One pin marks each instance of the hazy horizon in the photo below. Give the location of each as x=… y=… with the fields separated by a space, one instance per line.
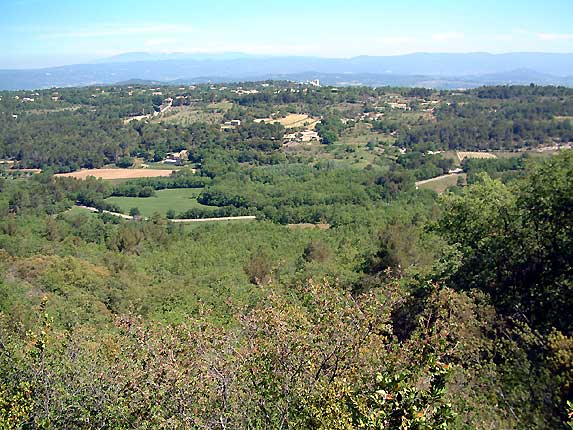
x=42 y=34
x=237 y=55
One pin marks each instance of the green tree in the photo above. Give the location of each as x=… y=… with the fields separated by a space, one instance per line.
x=124 y=162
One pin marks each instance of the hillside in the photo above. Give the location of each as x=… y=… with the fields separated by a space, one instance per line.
x=273 y=254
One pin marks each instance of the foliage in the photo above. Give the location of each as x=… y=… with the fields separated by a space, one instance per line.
x=353 y=301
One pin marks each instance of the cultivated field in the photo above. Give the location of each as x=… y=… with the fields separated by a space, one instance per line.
x=293 y=120
x=180 y=200
x=441 y=183
x=474 y=154
x=116 y=173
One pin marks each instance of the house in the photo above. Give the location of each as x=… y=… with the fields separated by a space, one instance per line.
x=233 y=123
x=177 y=157
x=314 y=83
x=398 y=105
x=241 y=92
x=303 y=136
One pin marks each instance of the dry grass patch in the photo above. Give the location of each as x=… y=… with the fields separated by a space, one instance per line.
x=441 y=183
x=306 y=226
x=293 y=120
x=186 y=115
x=474 y=154
x=116 y=173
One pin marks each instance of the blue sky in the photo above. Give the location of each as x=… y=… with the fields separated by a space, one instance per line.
x=46 y=33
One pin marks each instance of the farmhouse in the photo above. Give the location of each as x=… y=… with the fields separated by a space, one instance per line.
x=303 y=136
x=177 y=157
x=398 y=105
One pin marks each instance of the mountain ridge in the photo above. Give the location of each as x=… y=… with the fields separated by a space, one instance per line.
x=449 y=69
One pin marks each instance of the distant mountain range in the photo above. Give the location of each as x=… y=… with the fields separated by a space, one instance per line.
x=446 y=71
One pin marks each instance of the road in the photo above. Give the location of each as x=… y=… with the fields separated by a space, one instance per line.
x=129 y=217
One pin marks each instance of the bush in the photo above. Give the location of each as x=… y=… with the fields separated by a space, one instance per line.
x=124 y=162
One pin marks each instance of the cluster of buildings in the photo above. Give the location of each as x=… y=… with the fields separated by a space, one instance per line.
x=301 y=137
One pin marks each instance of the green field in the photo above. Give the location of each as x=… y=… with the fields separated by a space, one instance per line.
x=76 y=210
x=179 y=200
x=440 y=185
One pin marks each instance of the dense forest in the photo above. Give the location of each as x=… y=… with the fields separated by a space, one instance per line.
x=360 y=298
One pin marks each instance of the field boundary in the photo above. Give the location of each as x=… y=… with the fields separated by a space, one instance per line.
x=111 y=173
x=226 y=218
x=183 y=220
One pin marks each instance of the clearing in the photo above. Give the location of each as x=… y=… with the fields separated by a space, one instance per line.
x=474 y=154
x=293 y=120
x=441 y=183
x=179 y=199
x=187 y=115
x=116 y=173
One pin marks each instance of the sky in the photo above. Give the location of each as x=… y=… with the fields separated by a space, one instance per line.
x=43 y=33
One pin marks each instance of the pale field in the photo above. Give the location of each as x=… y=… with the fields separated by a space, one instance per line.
x=441 y=183
x=116 y=173
x=474 y=154
x=221 y=106
x=305 y=226
x=293 y=120
x=186 y=115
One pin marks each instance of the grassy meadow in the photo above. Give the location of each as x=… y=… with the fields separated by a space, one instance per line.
x=179 y=200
